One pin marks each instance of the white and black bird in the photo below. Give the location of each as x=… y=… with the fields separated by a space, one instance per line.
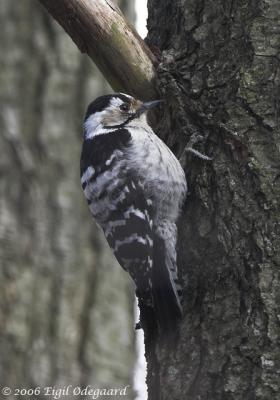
x=135 y=188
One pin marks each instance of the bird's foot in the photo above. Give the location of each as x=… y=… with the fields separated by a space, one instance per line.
x=189 y=149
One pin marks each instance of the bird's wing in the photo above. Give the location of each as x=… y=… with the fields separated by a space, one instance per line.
x=128 y=231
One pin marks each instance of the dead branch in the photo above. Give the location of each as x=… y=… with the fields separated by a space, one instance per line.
x=99 y=29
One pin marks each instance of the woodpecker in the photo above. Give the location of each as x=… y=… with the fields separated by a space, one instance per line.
x=135 y=188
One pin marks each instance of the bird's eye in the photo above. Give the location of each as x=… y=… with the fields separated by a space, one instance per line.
x=124 y=107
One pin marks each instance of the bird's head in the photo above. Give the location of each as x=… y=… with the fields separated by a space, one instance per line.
x=114 y=111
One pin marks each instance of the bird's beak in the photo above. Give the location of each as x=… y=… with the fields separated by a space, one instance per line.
x=144 y=107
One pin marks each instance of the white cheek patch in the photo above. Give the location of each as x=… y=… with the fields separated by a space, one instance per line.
x=93 y=126
x=92 y=123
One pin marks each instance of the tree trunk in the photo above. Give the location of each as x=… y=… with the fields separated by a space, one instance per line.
x=66 y=307
x=219 y=75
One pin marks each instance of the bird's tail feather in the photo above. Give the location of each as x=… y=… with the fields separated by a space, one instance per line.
x=166 y=299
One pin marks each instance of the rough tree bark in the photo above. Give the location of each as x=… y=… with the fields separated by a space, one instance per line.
x=219 y=74
x=57 y=326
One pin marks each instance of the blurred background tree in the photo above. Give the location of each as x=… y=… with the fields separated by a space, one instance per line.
x=66 y=312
